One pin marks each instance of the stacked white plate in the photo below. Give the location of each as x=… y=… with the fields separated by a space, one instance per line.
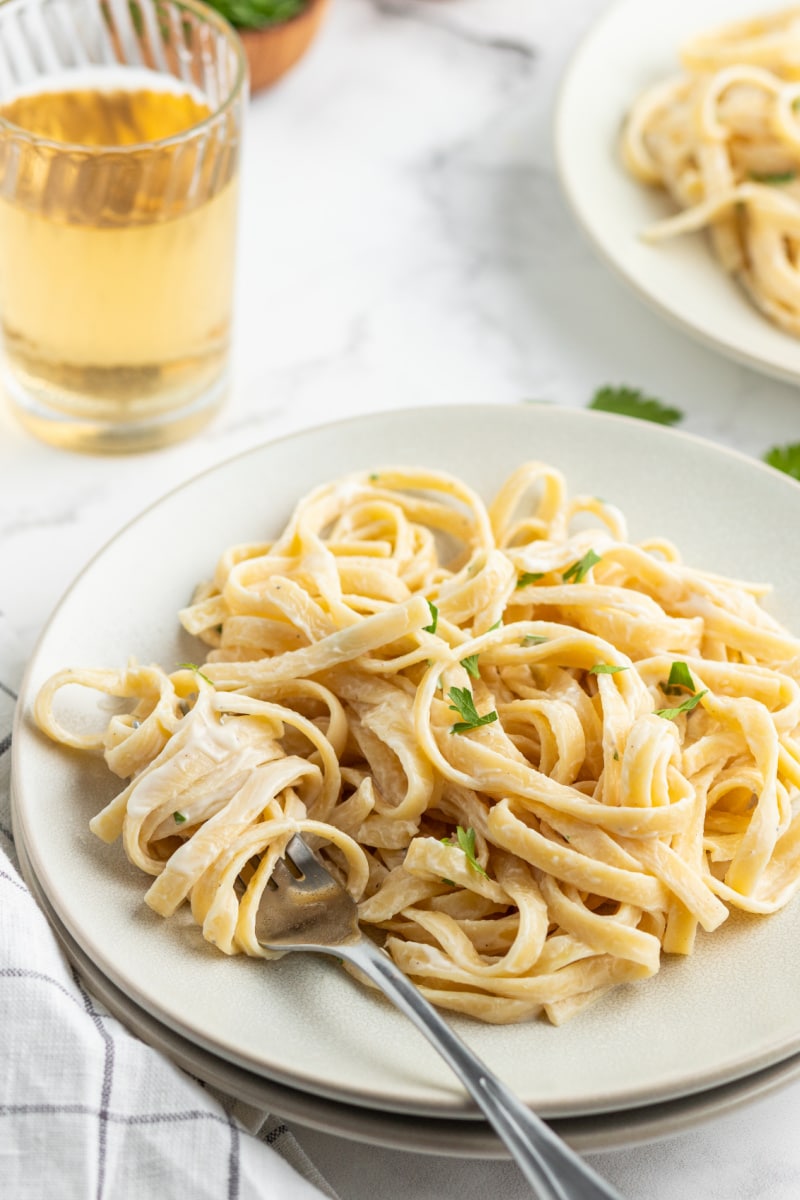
x=299 y=1036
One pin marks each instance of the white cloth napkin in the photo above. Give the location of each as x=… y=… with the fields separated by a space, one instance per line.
x=87 y=1110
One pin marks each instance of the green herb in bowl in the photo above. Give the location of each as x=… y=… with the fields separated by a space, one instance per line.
x=255 y=14
x=275 y=33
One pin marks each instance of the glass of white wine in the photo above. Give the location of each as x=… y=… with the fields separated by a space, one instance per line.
x=120 y=131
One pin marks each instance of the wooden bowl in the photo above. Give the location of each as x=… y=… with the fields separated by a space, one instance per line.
x=274 y=50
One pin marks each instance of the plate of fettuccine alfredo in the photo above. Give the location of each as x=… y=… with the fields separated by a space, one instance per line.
x=678 y=146
x=527 y=679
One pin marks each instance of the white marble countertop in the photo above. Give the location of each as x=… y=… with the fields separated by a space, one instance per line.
x=405 y=242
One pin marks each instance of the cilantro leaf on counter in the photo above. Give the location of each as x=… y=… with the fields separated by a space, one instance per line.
x=785 y=458
x=631 y=402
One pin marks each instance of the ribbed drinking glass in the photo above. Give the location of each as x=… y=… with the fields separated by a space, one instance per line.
x=120 y=131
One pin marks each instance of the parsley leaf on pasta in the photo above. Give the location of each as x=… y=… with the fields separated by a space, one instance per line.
x=776 y=178
x=680 y=680
x=687 y=706
x=605 y=669
x=434 y=618
x=785 y=458
x=579 y=570
x=470 y=664
x=194 y=667
x=631 y=402
x=465 y=840
x=464 y=705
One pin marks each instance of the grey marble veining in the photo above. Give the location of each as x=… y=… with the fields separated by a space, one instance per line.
x=405 y=241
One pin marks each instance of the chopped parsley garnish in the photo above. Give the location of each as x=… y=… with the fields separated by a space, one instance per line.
x=434 y=618
x=470 y=665
x=529 y=577
x=465 y=840
x=785 y=458
x=464 y=705
x=496 y=625
x=194 y=667
x=631 y=402
x=774 y=178
x=687 y=706
x=533 y=639
x=680 y=680
x=179 y=818
x=579 y=570
x=605 y=669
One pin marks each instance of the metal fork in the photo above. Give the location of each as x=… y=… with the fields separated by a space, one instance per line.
x=306 y=909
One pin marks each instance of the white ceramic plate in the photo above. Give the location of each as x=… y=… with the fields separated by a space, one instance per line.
x=633 y=45
x=727 y=1012
x=460 y=1138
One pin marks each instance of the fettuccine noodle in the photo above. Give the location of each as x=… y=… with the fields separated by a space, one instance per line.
x=723 y=138
x=537 y=754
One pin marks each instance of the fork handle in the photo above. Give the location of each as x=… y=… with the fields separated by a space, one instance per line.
x=549 y=1165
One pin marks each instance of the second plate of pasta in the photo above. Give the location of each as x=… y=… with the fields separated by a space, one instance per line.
x=546 y=739
x=696 y=206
